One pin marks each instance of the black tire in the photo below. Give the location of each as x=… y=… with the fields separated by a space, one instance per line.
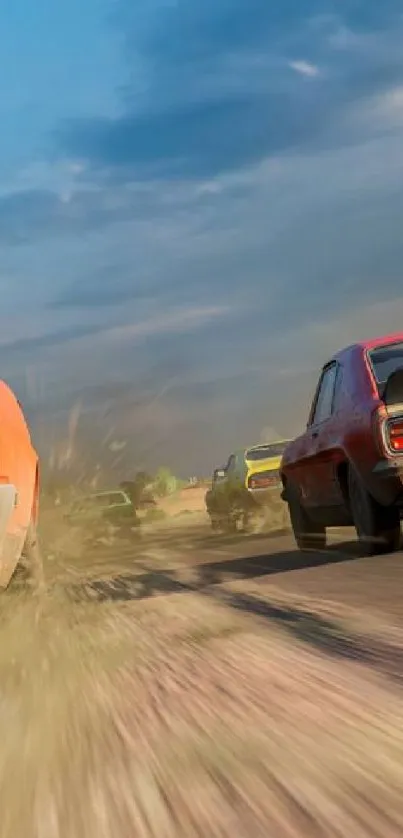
x=215 y=522
x=307 y=533
x=29 y=572
x=230 y=523
x=221 y=523
x=377 y=527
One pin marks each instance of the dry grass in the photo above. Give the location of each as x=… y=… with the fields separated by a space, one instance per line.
x=179 y=716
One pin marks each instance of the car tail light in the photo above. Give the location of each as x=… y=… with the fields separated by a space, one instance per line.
x=264 y=480
x=388 y=431
x=382 y=424
x=394 y=430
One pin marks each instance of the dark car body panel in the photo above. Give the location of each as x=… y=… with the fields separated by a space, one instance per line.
x=316 y=461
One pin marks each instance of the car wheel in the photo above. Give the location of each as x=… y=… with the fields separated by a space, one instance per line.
x=215 y=523
x=29 y=571
x=307 y=533
x=231 y=523
x=377 y=527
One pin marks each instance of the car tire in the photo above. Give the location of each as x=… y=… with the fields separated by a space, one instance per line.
x=230 y=524
x=377 y=527
x=29 y=572
x=215 y=522
x=307 y=533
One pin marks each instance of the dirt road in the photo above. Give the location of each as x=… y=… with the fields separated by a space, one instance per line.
x=194 y=559
x=187 y=685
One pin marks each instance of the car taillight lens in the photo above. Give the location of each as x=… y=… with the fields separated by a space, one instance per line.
x=395 y=435
x=388 y=431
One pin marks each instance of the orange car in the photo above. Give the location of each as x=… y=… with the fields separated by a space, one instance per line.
x=19 y=492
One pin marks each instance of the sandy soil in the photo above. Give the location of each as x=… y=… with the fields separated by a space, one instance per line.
x=187 y=500
x=178 y=715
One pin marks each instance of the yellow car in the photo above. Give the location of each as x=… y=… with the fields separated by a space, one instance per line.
x=249 y=480
x=262 y=464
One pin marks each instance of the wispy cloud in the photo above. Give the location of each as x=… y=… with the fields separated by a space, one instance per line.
x=177 y=321
x=305 y=68
x=244 y=181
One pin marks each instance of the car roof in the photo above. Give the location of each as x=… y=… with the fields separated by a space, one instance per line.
x=396 y=337
x=263 y=445
x=107 y=492
x=367 y=345
x=241 y=452
x=266 y=444
x=92 y=495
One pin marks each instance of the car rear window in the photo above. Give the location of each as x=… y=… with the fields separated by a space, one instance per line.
x=101 y=500
x=111 y=499
x=275 y=449
x=385 y=360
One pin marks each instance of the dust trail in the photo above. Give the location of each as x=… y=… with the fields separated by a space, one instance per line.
x=181 y=717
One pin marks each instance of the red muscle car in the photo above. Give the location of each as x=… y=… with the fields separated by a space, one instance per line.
x=347 y=467
x=19 y=492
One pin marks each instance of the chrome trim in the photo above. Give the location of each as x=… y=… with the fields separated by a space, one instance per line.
x=397 y=414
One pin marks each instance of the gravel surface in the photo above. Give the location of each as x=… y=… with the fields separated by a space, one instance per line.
x=221 y=688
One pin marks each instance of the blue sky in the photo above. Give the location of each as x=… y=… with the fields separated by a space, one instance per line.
x=199 y=202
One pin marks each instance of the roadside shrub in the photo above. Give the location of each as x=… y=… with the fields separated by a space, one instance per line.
x=165 y=482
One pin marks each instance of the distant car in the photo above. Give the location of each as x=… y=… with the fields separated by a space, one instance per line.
x=263 y=470
x=103 y=512
x=19 y=493
x=347 y=467
x=249 y=481
x=140 y=495
x=216 y=503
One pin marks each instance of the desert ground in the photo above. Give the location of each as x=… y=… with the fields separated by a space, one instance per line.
x=187 y=684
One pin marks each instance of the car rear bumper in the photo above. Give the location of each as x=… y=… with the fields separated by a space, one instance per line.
x=8 y=502
x=264 y=495
x=386 y=469
x=387 y=482
x=11 y=541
